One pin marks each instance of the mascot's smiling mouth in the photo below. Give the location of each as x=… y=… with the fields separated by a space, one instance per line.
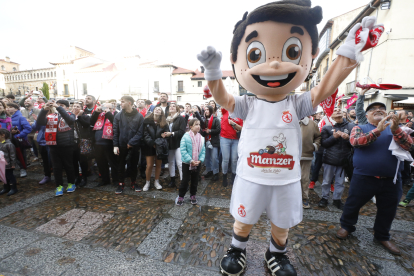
x=274 y=81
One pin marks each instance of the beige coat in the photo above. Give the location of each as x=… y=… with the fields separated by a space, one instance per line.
x=311 y=138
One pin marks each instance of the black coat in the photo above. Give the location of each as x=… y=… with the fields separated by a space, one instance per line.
x=336 y=149
x=152 y=132
x=128 y=128
x=97 y=138
x=215 y=131
x=178 y=128
x=63 y=139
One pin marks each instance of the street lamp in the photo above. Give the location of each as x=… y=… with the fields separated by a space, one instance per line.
x=385 y=4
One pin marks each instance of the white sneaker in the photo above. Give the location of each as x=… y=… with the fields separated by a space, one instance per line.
x=157 y=184
x=374 y=200
x=346 y=179
x=23 y=173
x=146 y=186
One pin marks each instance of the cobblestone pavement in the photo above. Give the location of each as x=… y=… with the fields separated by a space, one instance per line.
x=95 y=232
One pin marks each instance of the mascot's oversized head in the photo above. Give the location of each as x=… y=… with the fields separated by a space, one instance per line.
x=273 y=47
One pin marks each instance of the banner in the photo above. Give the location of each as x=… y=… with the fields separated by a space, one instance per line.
x=328 y=105
x=351 y=101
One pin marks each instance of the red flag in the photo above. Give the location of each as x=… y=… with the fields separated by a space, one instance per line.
x=351 y=101
x=328 y=105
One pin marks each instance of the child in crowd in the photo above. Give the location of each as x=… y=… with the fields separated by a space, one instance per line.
x=192 y=154
x=10 y=156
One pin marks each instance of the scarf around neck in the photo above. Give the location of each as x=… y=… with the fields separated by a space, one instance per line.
x=107 y=131
x=197 y=147
x=52 y=127
x=171 y=119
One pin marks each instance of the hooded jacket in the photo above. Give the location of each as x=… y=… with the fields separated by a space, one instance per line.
x=128 y=128
x=178 y=128
x=336 y=149
x=9 y=153
x=19 y=121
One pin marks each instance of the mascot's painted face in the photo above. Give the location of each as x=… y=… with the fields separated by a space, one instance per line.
x=273 y=58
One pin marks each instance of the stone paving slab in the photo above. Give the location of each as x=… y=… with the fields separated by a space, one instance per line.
x=12 y=239
x=75 y=224
x=50 y=256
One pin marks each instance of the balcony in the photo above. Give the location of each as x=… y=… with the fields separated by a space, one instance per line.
x=180 y=89
x=350 y=87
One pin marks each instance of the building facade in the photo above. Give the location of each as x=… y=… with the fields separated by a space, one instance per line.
x=391 y=61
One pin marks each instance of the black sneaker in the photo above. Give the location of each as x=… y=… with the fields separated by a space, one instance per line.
x=234 y=261
x=279 y=264
x=208 y=175
x=193 y=200
x=120 y=188
x=78 y=181
x=338 y=204
x=133 y=184
x=215 y=177
x=224 y=180
x=137 y=188
x=323 y=203
x=83 y=182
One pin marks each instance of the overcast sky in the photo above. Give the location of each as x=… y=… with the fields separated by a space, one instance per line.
x=34 y=32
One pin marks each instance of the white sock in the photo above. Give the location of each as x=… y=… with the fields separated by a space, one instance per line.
x=274 y=247
x=239 y=242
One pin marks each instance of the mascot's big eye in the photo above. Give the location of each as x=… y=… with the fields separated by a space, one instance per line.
x=256 y=54
x=292 y=50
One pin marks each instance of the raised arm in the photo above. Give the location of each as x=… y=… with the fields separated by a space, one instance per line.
x=211 y=59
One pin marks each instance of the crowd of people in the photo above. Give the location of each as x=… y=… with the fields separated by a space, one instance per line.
x=136 y=136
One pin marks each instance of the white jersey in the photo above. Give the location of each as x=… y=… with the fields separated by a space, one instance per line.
x=270 y=145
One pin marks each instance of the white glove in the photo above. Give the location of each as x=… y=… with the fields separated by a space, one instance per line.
x=116 y=150
x=211 y=59
x=362 y=36
x=348 y=48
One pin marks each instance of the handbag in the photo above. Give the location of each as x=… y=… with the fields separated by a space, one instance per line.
x=85 y=146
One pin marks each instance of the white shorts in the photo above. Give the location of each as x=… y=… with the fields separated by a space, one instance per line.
x=283 y=204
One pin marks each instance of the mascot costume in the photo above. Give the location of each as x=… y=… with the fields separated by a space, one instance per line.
x=272 y=52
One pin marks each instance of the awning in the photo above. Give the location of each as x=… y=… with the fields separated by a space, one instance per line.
x=410 y=100
x=400 y=92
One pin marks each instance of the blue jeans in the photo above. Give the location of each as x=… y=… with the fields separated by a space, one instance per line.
x=211 y=160
x=329 y=172
x=229 y=152
x=361 y=189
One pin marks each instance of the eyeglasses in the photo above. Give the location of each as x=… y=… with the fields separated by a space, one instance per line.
x=381 y=108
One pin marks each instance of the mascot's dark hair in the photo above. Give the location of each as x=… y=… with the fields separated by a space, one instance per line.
x=297 y=12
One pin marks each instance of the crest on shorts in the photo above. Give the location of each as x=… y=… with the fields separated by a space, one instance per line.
x=242 y=211
x=287 y=116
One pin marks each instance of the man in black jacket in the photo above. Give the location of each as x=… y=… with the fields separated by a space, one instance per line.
x=128 y=127
x=335 y=140
x=59 y=137
x=165 y=105
x=102 y=119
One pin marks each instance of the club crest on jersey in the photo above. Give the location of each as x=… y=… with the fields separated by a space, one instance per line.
x=273 y=156
x=287 y=116
x=242 y=211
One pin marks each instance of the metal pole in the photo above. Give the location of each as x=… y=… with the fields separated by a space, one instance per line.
x=370 y=57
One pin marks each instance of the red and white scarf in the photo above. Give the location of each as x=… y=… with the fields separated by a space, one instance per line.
x=52 y=127
x=197 y=146
x=107 y=131
x=210 y=125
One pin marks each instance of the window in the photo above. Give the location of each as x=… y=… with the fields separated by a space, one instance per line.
x=156 y=86
x=178 y=98
x=200 y=84
x=3 y=68
x=180 y=87
x=85 y=88
x=37 y=75
x=47 y=74
x=55 y=74
x=14 y=69
x=66 y=90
